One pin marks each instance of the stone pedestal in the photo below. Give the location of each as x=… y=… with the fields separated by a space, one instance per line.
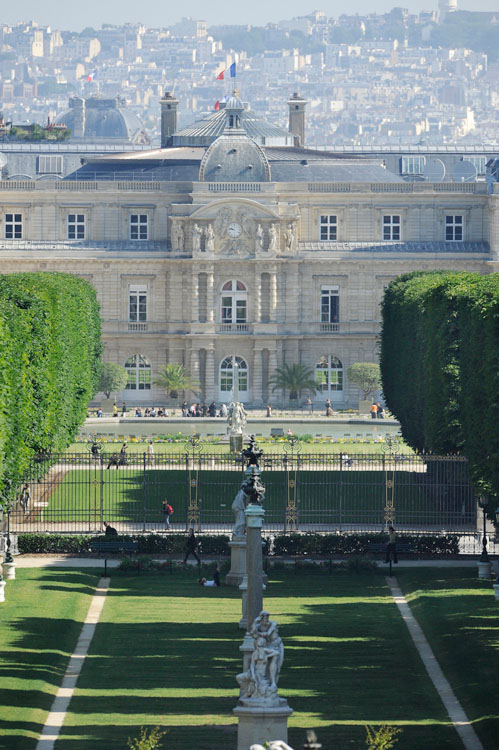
x=9 y=570
x=243 y=588
x=236 y=443
x=237 y=561
x=2 y=591
x=257 y=725
x=483 y=569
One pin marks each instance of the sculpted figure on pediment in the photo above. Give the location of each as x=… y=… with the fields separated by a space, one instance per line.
x=197 y=233
x=177 y=235
x=272 y=238
x=209 y=242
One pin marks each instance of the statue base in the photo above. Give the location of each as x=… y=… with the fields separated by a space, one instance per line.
x=236 y=443
x=237 y=561
x=9 y=570
x=259 y=724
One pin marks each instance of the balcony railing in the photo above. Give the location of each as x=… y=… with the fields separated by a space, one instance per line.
x=137 y=327
x=329 y=327
x=233 y=328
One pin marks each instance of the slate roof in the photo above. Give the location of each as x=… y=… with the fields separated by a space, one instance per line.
x=205 y=131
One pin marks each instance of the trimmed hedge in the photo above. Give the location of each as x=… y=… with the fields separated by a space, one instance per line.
x=440 y=367
x=325 y=545
x=50 y=353
x=148 y=543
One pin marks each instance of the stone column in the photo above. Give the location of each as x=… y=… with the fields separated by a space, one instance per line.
x=195 y=364
x=257 y=376
x=210 y=296
x=257 y=317
x=195 y=298
x=273 y=296
x=254 y=563
x=210 y=375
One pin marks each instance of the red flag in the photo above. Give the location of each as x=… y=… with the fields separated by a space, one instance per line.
x=220 y=76
x=217 y=106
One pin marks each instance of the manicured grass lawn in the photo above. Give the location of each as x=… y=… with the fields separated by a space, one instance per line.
x=40 y=623
x=273 y=447
x=166 y=653
x=130 y=494
x=460 y=618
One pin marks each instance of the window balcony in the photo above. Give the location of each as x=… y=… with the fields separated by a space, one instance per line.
x=329 y=327
x=234 y=328
x=137 y=326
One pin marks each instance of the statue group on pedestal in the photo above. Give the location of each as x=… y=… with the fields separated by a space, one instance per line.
x=259 y=683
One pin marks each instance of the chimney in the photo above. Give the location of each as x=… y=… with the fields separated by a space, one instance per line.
x=297 y=118
x=168 y=118
x=77 y=104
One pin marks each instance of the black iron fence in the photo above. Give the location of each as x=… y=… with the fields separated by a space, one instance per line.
x=304 y=492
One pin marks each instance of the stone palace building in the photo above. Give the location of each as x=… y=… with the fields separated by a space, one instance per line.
x=234 y=240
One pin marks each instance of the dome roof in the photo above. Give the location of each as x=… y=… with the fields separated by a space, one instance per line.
x=103 y=119
x=234 y=157
x=206 y=131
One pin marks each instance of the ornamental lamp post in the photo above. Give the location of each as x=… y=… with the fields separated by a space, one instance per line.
x=483 y=502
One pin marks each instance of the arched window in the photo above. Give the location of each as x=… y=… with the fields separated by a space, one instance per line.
x=329 y=373
x=139 y=373
x=234 y=306
x=227 y=376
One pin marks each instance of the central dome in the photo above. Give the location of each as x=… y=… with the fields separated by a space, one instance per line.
x=234 y=158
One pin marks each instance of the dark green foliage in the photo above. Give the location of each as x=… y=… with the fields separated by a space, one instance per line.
x=440 y=366
x=324 y=545
x=50 y=344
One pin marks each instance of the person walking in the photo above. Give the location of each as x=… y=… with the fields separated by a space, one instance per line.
x=379 y=411
x=110 y=530
x=123 y=409
x=191 y=546
x=310 y=406
x=150 y=453
x=374 y=411
x=329 y=409
x=123 y=456
x=115 y=409
x=167 y=512
x=391 y=547
x=269 y=410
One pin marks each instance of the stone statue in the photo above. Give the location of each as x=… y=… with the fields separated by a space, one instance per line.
x=239 y=506
x=260 y=241
x=178 y=238
x=197 y=233
x=259 y=683
x=289 y=237
x=272 y=238
x=237 y=418
x=209 y=243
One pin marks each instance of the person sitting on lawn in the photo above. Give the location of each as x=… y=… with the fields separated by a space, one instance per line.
x=110 y=530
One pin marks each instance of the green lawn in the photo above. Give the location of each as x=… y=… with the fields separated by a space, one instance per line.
x=166 y=652
x=131 y=494
x=271 y=447
x=40 y=623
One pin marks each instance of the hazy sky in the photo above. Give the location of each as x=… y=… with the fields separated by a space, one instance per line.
x=75 y=15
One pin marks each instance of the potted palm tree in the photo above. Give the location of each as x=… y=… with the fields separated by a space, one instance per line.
x=294 y=378
x=174 y=378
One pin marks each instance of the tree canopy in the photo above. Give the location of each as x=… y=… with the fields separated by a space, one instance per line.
x=174 y=378
x=113 y=377
x=366 y=376
x=294 y=378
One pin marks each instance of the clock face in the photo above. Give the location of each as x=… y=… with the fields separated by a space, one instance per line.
x=234 y=230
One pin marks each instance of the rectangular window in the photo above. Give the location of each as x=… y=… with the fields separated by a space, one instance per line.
x=50 y=165
x=391 y=227
x=226 y=309
x=13 y=226
x=241 y=311
x=412 y=164
x=225 y=381
x=479 y=162
x=453 y=228
x=328 y=228
x=330 y=304
x=137 y=304
x=76 y=226
x=138 y=226
x=321 y=377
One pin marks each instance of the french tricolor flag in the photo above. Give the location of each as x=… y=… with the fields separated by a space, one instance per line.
x=92 y=76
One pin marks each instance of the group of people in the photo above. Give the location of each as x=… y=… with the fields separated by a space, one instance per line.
x=152 y=412
x=203 y=410
x=377 y=411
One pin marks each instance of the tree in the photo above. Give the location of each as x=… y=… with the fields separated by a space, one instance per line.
x=113 y=377
x=366 y=376
x=174 y=378
x=295 y=379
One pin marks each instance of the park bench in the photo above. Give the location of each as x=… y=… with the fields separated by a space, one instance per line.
x=379 y=548
x=276 y=431
x=107 y=546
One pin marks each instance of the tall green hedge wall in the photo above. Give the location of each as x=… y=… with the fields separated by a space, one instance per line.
x=440 y=366
x=50 y=353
